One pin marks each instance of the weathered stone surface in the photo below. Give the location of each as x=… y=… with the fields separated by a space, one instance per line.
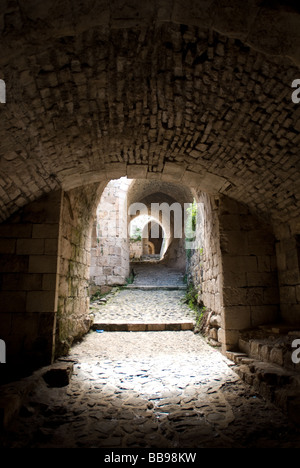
x=74 y=265
x=153 y=99
x=235 y=270
x=9 y=408
x=129 y=391
x=215 y=321
x=146 y=306
x=110 y=243
x=196 y=94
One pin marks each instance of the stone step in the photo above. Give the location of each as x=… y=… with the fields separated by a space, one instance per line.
x=270 y=345
x=155 y=288
x=137 y=326
x=279 y=385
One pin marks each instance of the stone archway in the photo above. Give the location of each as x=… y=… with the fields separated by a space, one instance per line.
x=110 y=245
x=149 y=248
x=155 y=234
x=166 y=92
x=239 y=286
x=142 y=242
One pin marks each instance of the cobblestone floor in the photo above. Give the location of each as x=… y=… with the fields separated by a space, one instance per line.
x=141 y=306
x=166 y=389
x=147 y=306
x=150 y=390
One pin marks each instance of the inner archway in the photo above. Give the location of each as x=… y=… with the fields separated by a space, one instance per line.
x=145 y=241
x=154 y=232
x=117 y=236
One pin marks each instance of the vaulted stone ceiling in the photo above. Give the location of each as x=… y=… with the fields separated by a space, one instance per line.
x=156 y=191
x=100 y=89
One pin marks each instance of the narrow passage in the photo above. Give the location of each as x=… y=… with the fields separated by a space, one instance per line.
x=158 y=389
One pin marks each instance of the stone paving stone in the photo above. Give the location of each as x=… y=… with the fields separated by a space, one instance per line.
x=146 y=309
x=160 y=389
x=152 y=390
x=151 y=274
x=139 y=306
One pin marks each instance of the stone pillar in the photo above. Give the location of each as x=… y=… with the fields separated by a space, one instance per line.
x=235 y=270
x=110 y=256
x=77 y=221
x=288 y=262
x=44 y=277
x=29 y=250
x=205 y=265
x=250 y=281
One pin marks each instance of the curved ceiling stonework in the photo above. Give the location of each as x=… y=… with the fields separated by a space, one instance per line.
x=155 y=191
x=194 y=92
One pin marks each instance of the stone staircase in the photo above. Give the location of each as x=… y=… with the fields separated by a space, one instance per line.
x=144 y=322
x=146 y=287
x=146 y=294
x=264 y=360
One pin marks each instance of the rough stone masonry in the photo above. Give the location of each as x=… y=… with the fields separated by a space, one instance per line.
x=193 y=93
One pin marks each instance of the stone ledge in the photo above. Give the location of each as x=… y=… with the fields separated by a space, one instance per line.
x=130 y=327
x=270 y=343
x=151 y=288
x=274 y=383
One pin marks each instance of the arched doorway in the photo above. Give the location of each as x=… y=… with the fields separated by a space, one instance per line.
x=147 y=238
x=186 y=105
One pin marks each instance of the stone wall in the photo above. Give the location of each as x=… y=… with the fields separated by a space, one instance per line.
x=135 y=249
x=28 y=282
x=234 y=270
x=288 y=262
x=110 y=244
x=73 y=320
x=250 y=281
x=205 y=266
x=44 y=276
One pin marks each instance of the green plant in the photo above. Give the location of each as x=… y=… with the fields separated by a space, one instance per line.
x=137 y=235
x=200 y=315
x=191 y=297
x=191 y=224
x=130 y=278
x=97 y=295
x=192 y=300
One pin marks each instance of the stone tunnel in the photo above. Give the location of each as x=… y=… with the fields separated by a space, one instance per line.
x=190 y=100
